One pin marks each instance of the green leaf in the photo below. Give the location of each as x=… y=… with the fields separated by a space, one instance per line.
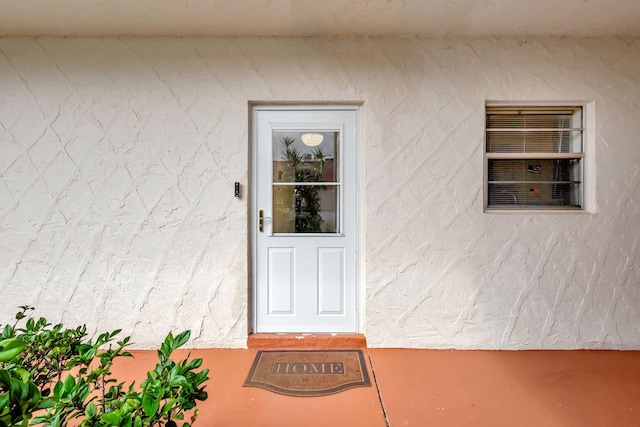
x=149 y=405
x=69 y=383
x=168 y=406
x=91 y=410
x=181 y=339
x=10 y=348
x=4 y=402
x=46 y=403
x=18 y=390
x=137 y=422
x=126 y=422
x=23 y=374
x=175 y=378
x=7 y=332
x=111 y=418
x=194 y=364
x=58 y=389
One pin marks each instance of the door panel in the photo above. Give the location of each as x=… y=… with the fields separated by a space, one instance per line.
x=304 y=235
x=331 y=280
x=281 y=273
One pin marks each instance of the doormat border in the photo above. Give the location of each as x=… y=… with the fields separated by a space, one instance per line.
x=364 y=382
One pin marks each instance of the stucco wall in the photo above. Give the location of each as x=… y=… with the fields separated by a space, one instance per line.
x=118 y=157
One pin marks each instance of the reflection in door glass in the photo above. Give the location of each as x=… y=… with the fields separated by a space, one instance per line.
x=305 y=182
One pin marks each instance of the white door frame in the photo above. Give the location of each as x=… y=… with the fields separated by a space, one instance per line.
x=253 y=209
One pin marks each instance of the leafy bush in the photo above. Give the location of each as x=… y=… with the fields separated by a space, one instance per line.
x=19 y=397
x=66 y=378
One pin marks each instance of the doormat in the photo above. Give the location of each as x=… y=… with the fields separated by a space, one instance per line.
x=308 y=373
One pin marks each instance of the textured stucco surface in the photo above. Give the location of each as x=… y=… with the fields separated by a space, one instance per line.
x=118 y=157
x=169 y=18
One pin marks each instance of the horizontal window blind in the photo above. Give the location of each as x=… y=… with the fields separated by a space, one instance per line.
x=534 y=157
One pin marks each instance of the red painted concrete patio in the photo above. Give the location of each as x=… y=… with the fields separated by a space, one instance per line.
x=431 y=388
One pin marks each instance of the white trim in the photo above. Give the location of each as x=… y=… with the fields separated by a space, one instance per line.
x=589 y=141
x=535 y=155
x=254 y=109
x=257 y=106
x=588 y=190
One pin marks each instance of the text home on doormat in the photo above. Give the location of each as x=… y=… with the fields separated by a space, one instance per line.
x=308 y=373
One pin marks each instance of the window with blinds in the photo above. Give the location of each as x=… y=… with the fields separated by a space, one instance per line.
x=534 y=157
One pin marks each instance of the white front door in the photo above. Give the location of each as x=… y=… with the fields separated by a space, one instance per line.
x=305 y=219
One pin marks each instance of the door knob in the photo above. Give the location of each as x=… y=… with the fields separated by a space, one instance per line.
x=261 y=219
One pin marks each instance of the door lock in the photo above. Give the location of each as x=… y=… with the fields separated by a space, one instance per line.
x=261 y=219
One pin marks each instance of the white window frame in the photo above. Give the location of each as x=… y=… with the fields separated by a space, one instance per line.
x=587 y=157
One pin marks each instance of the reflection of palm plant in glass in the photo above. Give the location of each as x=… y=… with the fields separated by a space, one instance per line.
x=321 y=157
x=292 y=157
x=307 y=197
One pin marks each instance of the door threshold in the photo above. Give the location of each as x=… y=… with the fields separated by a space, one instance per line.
x=269 y=341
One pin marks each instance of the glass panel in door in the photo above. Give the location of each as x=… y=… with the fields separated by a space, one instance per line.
x=306 y=182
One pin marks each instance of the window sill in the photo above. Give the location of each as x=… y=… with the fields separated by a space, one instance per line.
x=537 y=211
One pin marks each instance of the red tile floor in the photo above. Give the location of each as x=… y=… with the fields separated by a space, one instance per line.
x=430 y=388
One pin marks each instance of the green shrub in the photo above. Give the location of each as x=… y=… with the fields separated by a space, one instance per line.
x=66 y=378
x=19 y=396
